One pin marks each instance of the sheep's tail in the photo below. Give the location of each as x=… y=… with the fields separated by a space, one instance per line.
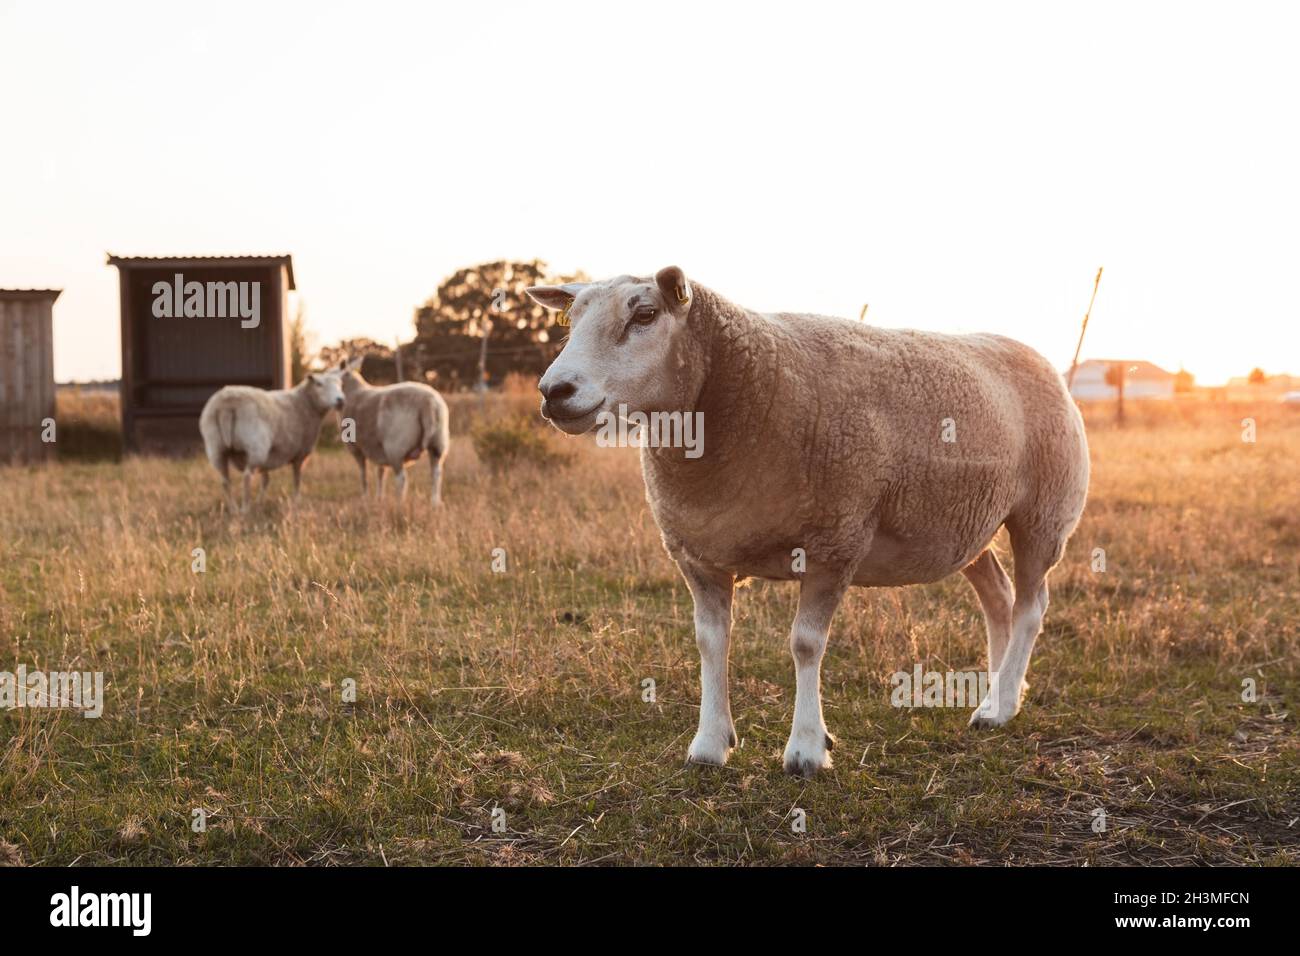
x=226 y=427
x=430 y=433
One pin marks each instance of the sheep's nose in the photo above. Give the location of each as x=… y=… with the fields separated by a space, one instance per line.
x=557 y=392
x=338 y=403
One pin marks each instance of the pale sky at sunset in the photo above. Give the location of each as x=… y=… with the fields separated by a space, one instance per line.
x=962 y=167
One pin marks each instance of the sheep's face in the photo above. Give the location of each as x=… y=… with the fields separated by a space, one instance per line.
x=350 y=379
x=622 y=353
x=326 y=389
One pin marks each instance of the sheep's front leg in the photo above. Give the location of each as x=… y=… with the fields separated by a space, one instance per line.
x=297 y=477
x=711 y=591
x=365 y=485
x=808 y=749
x=435 y=469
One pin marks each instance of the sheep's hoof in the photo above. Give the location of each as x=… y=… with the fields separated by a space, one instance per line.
x=797 y=765
x=803 y=758
x=987 y=716
x=711 y=750
x=991 y=713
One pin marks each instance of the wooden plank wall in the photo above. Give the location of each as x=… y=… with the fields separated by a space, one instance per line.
x=26 y=376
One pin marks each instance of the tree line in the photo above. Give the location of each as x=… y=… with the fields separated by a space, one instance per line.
x=474 y=304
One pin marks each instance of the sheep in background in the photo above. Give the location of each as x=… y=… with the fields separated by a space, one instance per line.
x=393 y=425
x=258 y=431
x=883 y=457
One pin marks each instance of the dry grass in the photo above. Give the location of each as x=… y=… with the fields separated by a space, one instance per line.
x=89 y=424
x=522 y=690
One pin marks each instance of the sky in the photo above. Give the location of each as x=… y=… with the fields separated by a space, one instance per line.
x=961 y=167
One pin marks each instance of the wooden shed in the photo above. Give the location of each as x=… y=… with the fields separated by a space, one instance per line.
x=191 y=324
x=26 y=374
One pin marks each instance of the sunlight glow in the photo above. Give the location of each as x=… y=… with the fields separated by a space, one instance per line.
x=961 y=168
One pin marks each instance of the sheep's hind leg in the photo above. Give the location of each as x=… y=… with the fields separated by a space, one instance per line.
x=224 y=470
x=993 y=588
x=435 y=471
x=1035 y=553
x=712 y=591
x=808 y=749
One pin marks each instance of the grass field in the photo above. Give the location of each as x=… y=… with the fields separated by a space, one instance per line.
x=522 y=690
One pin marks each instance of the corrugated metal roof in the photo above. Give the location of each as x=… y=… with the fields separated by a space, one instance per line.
x=284 y=259
x=30 y=293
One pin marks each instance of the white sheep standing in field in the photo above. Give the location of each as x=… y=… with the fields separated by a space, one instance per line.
x=258 y=430
x=882 y=457
x=393 y=425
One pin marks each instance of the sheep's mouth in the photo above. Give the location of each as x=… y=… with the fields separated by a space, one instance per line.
x=572 y=423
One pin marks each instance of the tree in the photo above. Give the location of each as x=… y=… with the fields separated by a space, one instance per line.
x=1184 y=381
x=1257 y=377
x=488 y=298
x=379 y=366
x=298 y=344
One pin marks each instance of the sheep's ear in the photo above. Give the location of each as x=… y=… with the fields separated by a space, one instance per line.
x=674 y=285
x=311 y=377
x=354 y=364
x=555 y=296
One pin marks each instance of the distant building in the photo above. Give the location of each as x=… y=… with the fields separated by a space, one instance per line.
x=1272 y=388
x=191 y=325
x=1141 y=380
x=27 y=375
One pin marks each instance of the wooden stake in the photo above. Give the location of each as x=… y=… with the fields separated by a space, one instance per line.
x=1069 y=384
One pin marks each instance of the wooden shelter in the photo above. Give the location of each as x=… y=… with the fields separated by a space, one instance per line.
x=27 y=374
x=191 y=324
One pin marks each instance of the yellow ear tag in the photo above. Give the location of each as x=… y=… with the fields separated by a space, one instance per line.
x=563 y=318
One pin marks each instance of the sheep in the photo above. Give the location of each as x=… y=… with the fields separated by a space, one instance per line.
x=262 y=430
x=836 y=454
x=393 y=425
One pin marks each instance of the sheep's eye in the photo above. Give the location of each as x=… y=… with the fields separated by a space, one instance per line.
x=645 y=314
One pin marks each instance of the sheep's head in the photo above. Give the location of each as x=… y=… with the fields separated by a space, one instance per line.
x=350 y=374
x=625 y=351
x=325 y=389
